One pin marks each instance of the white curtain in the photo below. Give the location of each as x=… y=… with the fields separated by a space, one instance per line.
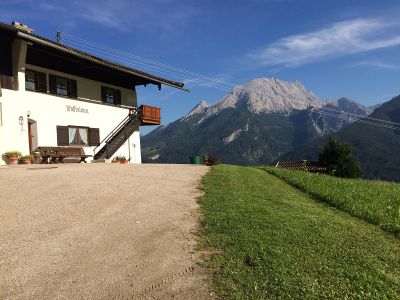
x=72 y=135
x=83 y=135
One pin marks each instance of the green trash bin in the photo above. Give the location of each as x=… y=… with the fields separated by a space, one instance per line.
x=195 y=160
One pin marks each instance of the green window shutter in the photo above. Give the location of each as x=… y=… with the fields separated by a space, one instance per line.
x=62 y=136
x=53 y=84
x=41 y=82
x=73 y=89
x=118 y=97
x=94 y=136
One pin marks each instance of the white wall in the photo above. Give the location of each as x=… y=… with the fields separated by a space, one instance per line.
x=49 y=111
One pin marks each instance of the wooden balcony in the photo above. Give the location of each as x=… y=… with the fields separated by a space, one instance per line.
x=150 y=115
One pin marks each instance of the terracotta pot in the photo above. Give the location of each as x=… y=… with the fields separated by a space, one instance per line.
x=13 y=160
x=124 y=162
x=27 y=162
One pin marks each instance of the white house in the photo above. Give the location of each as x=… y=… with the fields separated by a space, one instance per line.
x=55 y=95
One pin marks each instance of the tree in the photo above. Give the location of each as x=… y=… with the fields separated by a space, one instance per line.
x=337 y=157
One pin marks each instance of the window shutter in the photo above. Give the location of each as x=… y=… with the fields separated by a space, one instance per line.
x=53 y=84
x=103 y=94
x=73 y=92
x=117 y=97
x=41 y=82
x=94 y=136
x=62 y=136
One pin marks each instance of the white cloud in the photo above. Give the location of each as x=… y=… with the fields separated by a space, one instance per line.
x=341 y=38
x=377 y=65
x=129 y=15
x=123 y=15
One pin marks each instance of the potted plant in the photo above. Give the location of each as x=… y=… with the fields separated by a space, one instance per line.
x=12 y=156
x=209 y=160
x=121 y=159
x=26 y=159
x=36 y=156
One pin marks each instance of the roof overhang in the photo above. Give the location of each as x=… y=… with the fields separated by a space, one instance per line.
x=145 y=78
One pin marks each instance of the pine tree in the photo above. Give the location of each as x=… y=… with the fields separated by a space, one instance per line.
x=337 y=157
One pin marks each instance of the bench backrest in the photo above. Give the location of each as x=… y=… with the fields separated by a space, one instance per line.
x=62 y=151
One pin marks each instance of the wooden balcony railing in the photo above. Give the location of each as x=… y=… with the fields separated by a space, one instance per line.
x=150 y=115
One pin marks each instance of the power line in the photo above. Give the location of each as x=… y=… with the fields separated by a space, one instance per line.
x=128 y=61
x=365 y=117
x=361 y=120
x=128 y=58
x=148 y=61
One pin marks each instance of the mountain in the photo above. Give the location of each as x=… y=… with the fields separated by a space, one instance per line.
x=254 y=124
x=376 y=147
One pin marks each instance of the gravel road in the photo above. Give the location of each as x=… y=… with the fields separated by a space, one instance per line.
x=100 y=231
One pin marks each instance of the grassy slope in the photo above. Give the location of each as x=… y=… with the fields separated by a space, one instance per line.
x=276 y=242
x=377 y=202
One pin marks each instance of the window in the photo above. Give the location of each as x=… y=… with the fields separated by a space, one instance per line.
x=62 y=86
x=30 y=80
x=35 y=81
x=110 y=95
x=77 y=136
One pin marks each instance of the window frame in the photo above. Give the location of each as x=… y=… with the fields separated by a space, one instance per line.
x=71 y=86
x=64 y=86
x=39 y=81
x=79 y=136
x=93 y=135
x=116 y=95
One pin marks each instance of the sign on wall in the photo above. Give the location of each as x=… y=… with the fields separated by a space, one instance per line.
x=78 y=109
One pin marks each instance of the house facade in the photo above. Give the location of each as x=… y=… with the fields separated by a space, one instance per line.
x=55 y=95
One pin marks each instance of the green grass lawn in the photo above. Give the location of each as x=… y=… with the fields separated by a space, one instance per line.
x=271 y=240
x=377 y=202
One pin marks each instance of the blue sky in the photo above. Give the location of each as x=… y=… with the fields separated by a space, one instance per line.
x=335 y=48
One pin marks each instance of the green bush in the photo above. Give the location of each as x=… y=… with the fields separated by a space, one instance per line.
x=120 y=158
x=22 y=159
x=12 y=153
x=337 y=157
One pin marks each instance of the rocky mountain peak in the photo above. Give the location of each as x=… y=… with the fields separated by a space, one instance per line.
x=349 y=106
x=199 y=108
x=262 y=95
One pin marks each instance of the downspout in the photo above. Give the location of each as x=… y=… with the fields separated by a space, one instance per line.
x=129 y=149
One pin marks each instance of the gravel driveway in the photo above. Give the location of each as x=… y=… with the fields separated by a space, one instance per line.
x=100 y=231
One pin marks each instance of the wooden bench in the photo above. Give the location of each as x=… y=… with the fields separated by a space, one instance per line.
x=57 y=154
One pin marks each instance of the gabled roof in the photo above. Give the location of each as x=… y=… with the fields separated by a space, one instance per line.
x=29 y=36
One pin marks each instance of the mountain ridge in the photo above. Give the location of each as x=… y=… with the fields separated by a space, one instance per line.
x=254 y=124
x=375 y=147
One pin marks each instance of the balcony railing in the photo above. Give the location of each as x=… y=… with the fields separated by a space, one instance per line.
x=150 y=115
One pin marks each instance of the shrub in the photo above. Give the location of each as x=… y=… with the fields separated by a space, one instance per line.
x=120 y=158
x=22 y=159
x=209 y=160
x=337 y=157
x=12 y=153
